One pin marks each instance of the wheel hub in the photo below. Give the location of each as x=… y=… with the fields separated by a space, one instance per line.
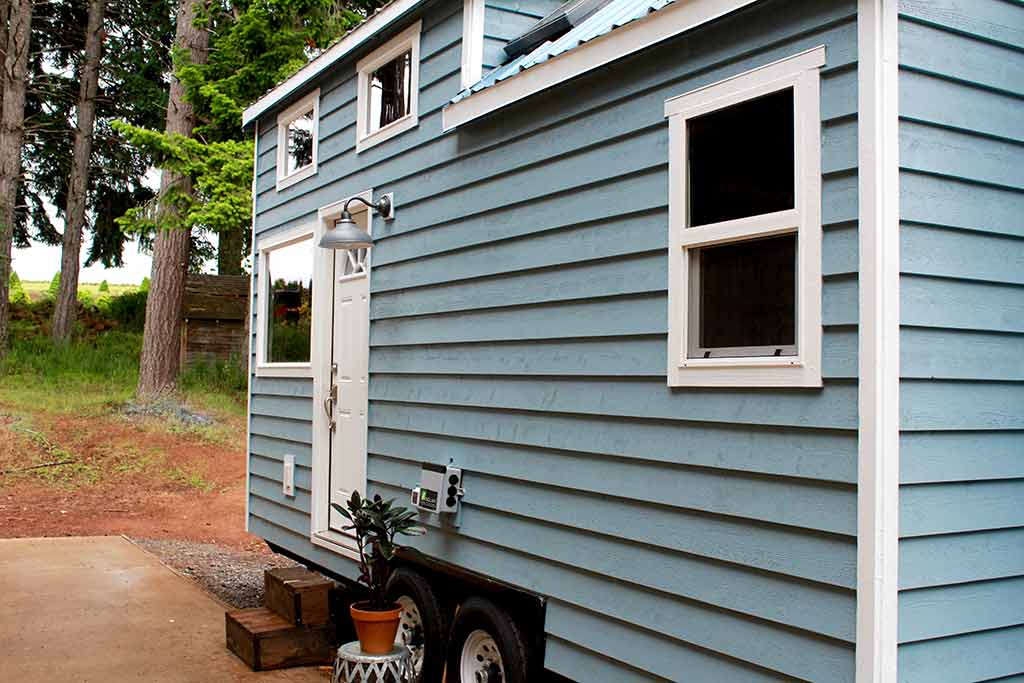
x=410 y=633
x=480 y=661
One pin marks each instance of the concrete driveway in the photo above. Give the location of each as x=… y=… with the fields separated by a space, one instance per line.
x=103 y=609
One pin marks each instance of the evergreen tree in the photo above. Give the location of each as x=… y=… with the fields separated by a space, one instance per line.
x=16 y=291
x=144 y=286
x=54 y=287
x=104 y=287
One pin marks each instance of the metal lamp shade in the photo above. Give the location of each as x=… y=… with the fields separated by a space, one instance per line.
x=346 y=235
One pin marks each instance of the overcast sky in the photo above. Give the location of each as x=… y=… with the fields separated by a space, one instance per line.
x=41 y=261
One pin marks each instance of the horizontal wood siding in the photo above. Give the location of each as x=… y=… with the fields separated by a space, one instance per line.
x=961 y=605
x=519 y=326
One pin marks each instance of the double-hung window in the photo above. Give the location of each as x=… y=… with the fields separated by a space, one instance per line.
x=389 y=83
x=297 y=132
x=745 y=229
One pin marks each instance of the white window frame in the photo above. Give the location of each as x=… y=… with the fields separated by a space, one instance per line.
x=801 y=73
x=407 y=40
x=267 y=246
x=310 y=101
x=320 y=533
x=472 y=42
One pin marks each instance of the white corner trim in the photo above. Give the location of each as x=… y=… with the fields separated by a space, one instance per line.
x=310 y=101
x=266 y=245
x=407 y=40
x=356 y=37
x=801 y=74
x=670 y=21
x=879 y=342
x=472 y=42
x=249 y=312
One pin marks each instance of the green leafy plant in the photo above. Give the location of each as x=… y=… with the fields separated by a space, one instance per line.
x=376 y=523
x=16 y=292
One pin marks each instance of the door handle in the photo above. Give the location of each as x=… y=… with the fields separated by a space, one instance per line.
x=332 y=396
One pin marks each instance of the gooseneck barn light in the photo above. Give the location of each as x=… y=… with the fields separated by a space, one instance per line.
x=346 y=235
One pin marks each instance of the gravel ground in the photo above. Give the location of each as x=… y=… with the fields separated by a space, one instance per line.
x=236 y=577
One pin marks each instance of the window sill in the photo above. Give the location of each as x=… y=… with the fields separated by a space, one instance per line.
x=300 y=370
x=394 y=128
x=750 y=373
x=301 y=174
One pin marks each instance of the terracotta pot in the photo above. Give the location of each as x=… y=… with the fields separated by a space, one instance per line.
x=376 y=629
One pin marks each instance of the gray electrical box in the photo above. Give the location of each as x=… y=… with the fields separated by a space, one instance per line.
x=440 y=489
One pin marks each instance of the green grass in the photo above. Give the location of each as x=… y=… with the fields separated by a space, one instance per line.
x=37 y=289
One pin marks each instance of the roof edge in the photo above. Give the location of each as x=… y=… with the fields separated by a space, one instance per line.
x=676 y=18
x=384 y=17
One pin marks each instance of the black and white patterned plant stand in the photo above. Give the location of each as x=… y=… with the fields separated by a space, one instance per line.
x=353 y=666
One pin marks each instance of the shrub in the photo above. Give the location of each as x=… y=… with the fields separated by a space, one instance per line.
x=104 y=287
x=129 y=309
x=144 y=287
x=85 y=298
x=220 y=376
x=16 y=292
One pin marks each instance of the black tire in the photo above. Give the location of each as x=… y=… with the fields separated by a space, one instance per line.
x=478 y=614
x=410 y=584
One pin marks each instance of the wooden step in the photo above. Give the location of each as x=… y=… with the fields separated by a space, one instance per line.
x=298 y=595
x=264 y=640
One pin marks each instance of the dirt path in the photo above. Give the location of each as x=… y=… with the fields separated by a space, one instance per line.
x=142 y=477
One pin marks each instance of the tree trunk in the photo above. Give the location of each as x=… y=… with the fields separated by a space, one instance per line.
x=66 y=307
x=12 y=133
x=230 y=245
x=161 y=339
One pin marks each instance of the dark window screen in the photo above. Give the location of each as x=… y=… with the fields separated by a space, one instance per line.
x=748 y=293
x=741 y=160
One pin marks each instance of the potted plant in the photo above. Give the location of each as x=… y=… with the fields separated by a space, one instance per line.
x=376 y=523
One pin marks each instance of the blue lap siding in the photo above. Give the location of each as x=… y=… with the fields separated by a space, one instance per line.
x=519 y=326
x=961 y=605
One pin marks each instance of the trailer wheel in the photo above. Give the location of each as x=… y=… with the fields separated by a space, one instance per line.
x=485 y=646
x=423 y=625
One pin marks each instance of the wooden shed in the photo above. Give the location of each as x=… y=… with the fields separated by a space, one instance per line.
x=213 y=318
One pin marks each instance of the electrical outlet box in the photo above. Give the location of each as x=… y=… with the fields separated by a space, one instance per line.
x=288 y=476
x=440 y=489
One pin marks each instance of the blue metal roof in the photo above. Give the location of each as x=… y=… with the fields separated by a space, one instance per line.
x=613 y=15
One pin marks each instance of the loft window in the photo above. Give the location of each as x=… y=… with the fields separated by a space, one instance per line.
x=745 y=229
x=388 y=89
x=297 y=132
x=390 y=92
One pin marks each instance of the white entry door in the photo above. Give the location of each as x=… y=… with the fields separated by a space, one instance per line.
x=350 y=376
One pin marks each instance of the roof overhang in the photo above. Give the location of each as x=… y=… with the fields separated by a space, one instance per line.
x=384 y=17
x=670 y=21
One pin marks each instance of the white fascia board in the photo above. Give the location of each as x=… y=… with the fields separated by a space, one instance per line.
x=879 y=342
x=632 y=37
x=356 y=37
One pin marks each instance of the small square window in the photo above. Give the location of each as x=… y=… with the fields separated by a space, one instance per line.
x=388 y=89
x=300 y=143
x=297 y=131
x=745 y=229
x=390 y=92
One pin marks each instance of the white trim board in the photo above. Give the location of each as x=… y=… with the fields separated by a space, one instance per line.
x=670 y=21
x=249 y=313
x=285 y=119
x=352 y=40
x=472 y=42
x=406 y=41
x=879 y=342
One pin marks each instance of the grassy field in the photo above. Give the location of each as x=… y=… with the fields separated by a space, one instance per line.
x=37 y=289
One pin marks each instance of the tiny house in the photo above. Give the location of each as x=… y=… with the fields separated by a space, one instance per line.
x=713 y=309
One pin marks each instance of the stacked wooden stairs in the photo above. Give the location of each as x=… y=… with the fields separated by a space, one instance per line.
x=293 y=629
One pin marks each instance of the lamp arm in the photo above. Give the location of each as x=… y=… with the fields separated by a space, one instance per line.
x=381 y=206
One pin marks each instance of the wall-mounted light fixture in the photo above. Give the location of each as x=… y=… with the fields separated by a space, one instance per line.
x=346 y=235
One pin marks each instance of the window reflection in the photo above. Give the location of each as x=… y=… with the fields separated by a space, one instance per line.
x=300 y=142
x=390 y=92
x=289 y=314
